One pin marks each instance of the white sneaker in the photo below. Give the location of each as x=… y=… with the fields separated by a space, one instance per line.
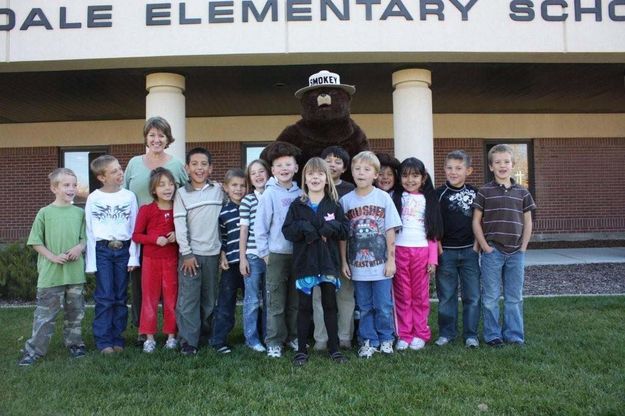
x=274 y=352
x=417 y=344
x=149 y=346
x=441 y=341
x=472 y=343
x=401 y=345
x=293 y=344
x=171 y=344
x=387 y=347
x=258 y=348
x=366 y=350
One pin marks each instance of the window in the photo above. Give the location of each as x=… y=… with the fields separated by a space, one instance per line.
x=523 y=171
x=251 y=151
x=78 y=160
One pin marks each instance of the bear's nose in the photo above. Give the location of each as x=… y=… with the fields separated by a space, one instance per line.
x=324 y=99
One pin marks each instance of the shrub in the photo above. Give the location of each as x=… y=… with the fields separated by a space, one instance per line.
x=18 y=272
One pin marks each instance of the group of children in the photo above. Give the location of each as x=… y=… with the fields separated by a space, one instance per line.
x=321 y=253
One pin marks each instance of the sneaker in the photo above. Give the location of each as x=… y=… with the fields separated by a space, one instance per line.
x=77 y=351
x=188 y=350
x=27 y=359
x=149 y=346
x=495 y=343
x=258 y=347
x=320 y=346
x=293 y=344
x=345 y=344
x=140 y=340
x=366 y=350
x=441 y=341
x=401 y=345
x=338 y=357
x=417 y=344
x=472 y=343
x=386 y=347
x=118 y=348
x=300 y=359
x=224 y=349
x=274 y=351
x=171 y=344
x=107 y=351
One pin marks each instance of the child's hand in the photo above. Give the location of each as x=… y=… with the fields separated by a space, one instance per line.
x=488 y=249
x=74 y=253
x=244 y=267
x=432 y=269
x=223 y=262
x=266 y=259
x=389 y=268
x=171 y=237
x=161 y=241
x=346 y=271
x=190 y=266
x=58 y=259
x=131 y=268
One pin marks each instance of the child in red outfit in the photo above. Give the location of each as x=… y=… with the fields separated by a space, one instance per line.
x=154 y=229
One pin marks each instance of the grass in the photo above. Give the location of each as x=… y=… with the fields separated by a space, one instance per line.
x=573 y=363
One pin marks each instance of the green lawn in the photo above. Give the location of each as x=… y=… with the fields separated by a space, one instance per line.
x=573 y=363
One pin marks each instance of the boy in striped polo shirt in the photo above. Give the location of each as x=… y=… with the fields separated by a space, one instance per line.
x=502 y=224
x=231 y=277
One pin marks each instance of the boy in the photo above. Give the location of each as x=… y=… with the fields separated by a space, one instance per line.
x=110 y=214
x=273 y=204
x=58 y=236
x=196 y=214
x=368 y=255
x=459 y=258
x=502 y=223
x=231 y=277
x=337 y=159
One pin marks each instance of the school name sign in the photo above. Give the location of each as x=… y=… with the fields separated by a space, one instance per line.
x=261 y=32
x=166 y=14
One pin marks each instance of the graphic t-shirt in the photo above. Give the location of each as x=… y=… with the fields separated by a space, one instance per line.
x=369 y=216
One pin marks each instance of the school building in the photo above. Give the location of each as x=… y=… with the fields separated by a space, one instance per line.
x=78 y=78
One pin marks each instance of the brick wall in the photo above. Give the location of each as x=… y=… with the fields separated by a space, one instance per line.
x=578 y=181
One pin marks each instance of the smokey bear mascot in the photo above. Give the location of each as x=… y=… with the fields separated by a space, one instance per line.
x=325 y=120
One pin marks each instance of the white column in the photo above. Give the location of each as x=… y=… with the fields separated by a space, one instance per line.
x=166 y=99
x=412 y=116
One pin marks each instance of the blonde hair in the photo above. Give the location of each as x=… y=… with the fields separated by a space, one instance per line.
x=56 y=174
x=99 y=164
x=369 y=157
x=499 y=148
x=316 y=164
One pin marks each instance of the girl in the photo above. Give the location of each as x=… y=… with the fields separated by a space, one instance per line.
x=154 y=229
x=315 y=223
x=416 y=253
x=387 y=178
x=251 y=266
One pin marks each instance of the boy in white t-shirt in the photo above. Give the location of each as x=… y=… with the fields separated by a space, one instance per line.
x=110 y=214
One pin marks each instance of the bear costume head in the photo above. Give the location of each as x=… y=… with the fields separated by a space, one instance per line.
x=325 y=121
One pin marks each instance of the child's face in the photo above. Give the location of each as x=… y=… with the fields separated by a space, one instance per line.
x=156 y=140
x=258 y=176
x=165 y=189
x=501 y=165
x=283 y=168
x=336 y=165
x=456 y=172
x=386 y=179
x=364 y=174
x=315 y=180
x=198 y=169
x=235 y=188
x=65 y=190
x=113 y=175
x=412 y=181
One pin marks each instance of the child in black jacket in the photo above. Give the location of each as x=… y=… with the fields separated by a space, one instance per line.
x=315 y=223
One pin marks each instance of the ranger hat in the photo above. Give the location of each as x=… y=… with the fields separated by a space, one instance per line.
x=325 y=79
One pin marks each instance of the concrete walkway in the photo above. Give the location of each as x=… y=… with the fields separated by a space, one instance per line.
x=575 y=256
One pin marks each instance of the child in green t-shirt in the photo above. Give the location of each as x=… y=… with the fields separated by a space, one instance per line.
x=58 y=235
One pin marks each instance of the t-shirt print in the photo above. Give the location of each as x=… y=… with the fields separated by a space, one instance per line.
x=367 y=235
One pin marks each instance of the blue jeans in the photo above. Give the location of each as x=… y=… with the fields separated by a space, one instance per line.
x=111 y=294
x=231 y=280
x=253 y=300
x=454 y=264
x=498 y=268
x=375 y=302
